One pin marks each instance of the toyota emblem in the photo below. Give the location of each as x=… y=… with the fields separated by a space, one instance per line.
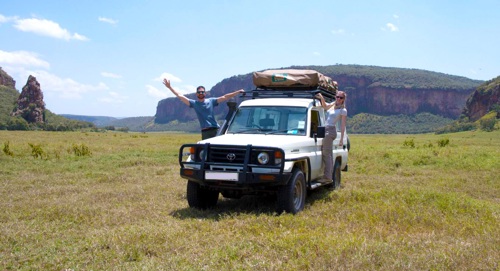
x=231 y=156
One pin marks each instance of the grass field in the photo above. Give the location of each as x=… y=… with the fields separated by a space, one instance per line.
x=115 y=201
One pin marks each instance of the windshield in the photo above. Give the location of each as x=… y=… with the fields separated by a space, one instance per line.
x=270 y=120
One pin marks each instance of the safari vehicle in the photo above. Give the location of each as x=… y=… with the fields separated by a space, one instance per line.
x=270 y=144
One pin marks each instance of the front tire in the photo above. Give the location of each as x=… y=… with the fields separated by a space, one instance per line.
x=199 y=197
x=292 y=196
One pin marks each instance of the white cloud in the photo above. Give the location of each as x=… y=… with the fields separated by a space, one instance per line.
x=165 y=93
x=22 y=58
x=316 y=53
x=391 y=27
x=107 y=20
x=156 y=93
x=113 y=98
x=65 y=88
x=169 y=76
x=4 y=19
x=338 y=31
x=395 y=16
x=110 y=75
x=47 y=28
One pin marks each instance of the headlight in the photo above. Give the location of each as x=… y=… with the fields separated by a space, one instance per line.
x=263 y=158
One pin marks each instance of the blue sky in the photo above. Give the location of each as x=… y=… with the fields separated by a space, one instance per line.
x=107 y=58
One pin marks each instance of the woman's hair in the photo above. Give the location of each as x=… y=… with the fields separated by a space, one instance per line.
x=343 y=102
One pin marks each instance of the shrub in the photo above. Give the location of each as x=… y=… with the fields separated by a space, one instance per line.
x=18 y=124
x=409 y=143
x=457 y=126
x=36 y=151
x=488 y=121
x=443 y=142
x=81 y=150
x=6 y=149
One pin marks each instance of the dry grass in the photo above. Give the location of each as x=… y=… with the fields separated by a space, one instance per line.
x=123 y=207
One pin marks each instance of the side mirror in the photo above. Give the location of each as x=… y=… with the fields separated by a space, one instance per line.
x=321 y=132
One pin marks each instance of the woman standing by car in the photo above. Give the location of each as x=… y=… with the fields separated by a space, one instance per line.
x=335 y=113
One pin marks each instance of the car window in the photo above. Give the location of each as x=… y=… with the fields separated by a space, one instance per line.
x=270 y=119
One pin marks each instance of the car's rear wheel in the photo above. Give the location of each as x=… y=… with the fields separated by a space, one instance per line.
x=200 y=197
x=336 y=176
x=292 y=197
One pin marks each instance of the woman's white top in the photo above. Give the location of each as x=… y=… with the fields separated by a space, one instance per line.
x=333 y=116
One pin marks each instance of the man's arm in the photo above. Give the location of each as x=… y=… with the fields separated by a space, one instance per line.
x=183 y=98
x=229 y=96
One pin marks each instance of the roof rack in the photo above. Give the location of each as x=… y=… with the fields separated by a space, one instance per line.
x=291 y=92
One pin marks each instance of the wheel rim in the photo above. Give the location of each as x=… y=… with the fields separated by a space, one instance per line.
x=297 y=194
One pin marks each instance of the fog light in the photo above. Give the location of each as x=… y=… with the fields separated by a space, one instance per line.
x=267 y=177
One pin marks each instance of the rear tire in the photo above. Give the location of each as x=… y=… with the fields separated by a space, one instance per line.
x=199 y=197
x=336 y=176
x=292 y=197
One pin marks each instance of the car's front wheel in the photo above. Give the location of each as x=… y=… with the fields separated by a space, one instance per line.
x=200 y=197
x=292 y=197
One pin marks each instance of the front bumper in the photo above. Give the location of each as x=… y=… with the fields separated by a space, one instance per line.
x=244 y=172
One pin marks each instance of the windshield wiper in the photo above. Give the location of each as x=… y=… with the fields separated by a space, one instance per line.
x=277 y=132
x=246 y=131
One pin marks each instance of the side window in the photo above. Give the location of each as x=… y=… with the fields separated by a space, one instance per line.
x=315 y=121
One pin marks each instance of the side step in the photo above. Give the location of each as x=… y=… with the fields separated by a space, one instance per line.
x=316 y=184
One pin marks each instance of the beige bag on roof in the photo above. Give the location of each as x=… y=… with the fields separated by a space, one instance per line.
x=293 y=78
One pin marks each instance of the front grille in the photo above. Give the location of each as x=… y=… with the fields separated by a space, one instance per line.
x=225 y=155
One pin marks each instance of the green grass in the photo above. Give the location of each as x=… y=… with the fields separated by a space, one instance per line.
x=432 y=204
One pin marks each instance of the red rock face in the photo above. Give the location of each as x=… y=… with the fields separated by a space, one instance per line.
x=389 y=101
x=30 y=104
x=483 y=100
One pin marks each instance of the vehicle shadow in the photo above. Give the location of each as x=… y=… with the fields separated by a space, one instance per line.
x=256 y=205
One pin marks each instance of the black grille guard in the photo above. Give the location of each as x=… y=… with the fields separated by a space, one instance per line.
x=247 y=163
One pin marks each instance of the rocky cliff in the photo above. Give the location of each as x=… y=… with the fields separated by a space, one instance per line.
x=30 y=104
x=6 y=80
x=483 y=100
x=374 y=90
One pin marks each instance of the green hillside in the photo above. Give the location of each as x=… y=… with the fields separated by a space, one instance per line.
x=399 y=124
x=8 y=98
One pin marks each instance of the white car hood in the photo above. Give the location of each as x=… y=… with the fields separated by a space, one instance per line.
x=271 y=140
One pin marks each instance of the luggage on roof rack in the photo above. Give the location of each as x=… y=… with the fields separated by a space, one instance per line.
x=292 y=78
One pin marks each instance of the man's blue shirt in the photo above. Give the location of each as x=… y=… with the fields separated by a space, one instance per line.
x=205 y=112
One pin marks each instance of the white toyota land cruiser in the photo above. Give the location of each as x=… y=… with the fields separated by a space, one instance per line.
x=271 y=143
